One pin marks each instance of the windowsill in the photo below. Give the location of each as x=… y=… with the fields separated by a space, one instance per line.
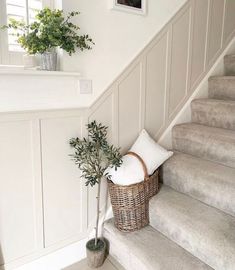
x=35 y=90
x=20 y=70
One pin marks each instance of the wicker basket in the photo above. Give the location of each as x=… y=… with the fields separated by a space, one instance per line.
x=131 y=203
x=151 y=183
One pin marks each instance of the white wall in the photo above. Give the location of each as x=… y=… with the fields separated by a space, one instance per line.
x=119 y=37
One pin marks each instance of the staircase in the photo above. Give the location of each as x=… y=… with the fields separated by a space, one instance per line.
x=192 y=219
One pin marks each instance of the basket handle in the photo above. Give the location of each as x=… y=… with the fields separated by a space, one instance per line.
x=146 y=176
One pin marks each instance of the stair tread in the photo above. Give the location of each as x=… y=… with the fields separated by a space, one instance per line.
x=212 y=130
x=204 y=231
x=221 y=77
x=204 y=180
x=213 y=102
x=211 y=143
x=153 y=251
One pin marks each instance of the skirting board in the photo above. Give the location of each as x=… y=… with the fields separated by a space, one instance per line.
x=184 y=114
x=59 y=259
x=66 y=256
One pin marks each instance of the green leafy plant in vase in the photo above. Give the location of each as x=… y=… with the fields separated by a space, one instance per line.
x=50 y=30
x=93 y=156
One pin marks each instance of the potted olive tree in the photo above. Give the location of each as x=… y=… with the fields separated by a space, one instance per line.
x=50 y=30
x=93 y=156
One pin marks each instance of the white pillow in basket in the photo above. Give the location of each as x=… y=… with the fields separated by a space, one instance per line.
x=151 y=152
x=131 y=170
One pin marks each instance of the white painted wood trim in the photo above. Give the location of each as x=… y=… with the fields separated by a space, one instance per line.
x=58 y=259
x=19 y=70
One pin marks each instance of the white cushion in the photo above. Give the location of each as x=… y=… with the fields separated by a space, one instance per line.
x=151 y=152
x=131 y=171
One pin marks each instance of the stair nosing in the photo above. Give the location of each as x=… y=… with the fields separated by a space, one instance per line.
x=215 y=100
x=202 y=125
x=196 y=182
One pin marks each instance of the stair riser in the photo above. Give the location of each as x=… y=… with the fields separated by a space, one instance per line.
x=117 y=253
x=221 y=116
x=210 y=183
x=229 y=65
x=206 y=146
x=222 y=88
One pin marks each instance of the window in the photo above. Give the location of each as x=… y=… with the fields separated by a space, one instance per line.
x=10 y=51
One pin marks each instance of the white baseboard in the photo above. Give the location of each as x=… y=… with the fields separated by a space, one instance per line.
x=64 y=257
x=59 y=259
x=201 y=91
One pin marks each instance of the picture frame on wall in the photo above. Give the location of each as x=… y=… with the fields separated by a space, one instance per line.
x=132 y=6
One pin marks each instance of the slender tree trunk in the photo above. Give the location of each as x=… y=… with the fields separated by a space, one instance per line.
x=97 y=213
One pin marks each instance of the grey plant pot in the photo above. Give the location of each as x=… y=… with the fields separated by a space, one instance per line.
x=48 y=61
x=95 y=258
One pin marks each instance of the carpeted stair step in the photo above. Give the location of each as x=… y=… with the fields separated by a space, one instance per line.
x=209 y=143
x=229 y=65
x=222 y=87
x=215 y=113
x=148 y=249
x=204 y=180
x=204 y=231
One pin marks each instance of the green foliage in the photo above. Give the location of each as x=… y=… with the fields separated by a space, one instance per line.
x=94 y=155
x=51 y=29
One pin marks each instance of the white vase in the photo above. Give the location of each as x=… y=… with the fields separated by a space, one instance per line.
x=29 y=61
